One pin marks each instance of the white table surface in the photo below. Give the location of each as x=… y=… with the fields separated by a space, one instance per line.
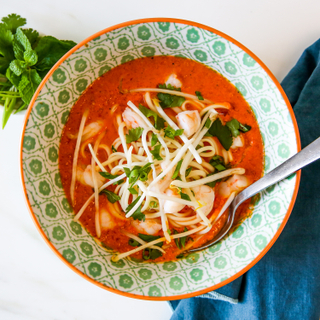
x=34 y=283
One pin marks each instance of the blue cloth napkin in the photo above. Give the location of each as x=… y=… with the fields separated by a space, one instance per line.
x=285 y=283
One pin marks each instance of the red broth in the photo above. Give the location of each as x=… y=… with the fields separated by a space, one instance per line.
x=149 y=72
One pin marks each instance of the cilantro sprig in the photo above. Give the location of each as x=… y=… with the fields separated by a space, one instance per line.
x=225 y=133
x=134 y=134
x=235 y=127
x=112 y=197
x=171 y=133
x=169 y=100
x=25 y=59
x=158 y=121
x=147 y=253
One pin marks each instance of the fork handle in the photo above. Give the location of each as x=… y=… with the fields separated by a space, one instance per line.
x=301 y=159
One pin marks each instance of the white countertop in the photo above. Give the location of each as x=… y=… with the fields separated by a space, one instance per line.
x=34 y=283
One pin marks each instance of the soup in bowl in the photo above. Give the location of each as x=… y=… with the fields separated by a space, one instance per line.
x=135 y=145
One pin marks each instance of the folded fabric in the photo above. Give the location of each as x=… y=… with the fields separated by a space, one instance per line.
x=285 y=283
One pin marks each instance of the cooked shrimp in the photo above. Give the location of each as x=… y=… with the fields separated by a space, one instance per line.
x=165 y=182
x=89 y=131
x=189 y=121
x=171 y=206
x=132 y=119
x=150 y=226
x=205 y=196
x=85 y=177
x=237 y=142
x=174 y=81
x=235 y=183
x=106 y=220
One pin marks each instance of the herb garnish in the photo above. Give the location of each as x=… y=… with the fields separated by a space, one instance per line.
x=158 y=121
x=168 y=100
x=113 y=149
x=177 y=169
x=110 y=176
x=134 y=134
x=188 y=171
x=199 y=95
x=137 y=215
x=235 y=127
x=184 y=196
x=218 y=163
x=212 y=183
x=153 y=204
x=154 y=139
x=156 y=152
x=180 y=242
x=25 y=58
x=171 y=133
x=132 y=190
x=222 y=132
x=149 y=253
x=138 y=173
x=112 y=197
x=133 y=243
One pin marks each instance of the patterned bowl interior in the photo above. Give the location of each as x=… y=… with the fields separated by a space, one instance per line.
x=199 y=271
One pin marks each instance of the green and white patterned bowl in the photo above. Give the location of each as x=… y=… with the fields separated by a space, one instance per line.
x=199 y=272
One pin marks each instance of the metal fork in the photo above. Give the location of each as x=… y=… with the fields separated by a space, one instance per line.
x=301 y=159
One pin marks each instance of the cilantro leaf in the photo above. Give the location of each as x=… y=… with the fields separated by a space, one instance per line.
x=158 y=121
x=169 y=100
x=154 y=139
x=156 y=152
x=222 y=132
x=169 y=87
x=134 y=134
x=199 y=95
x=6 y=40
x=234 y=126
x=13 y=21
x=32 y=35
x=177 y=169
x=171 y=133
x=112 y=197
